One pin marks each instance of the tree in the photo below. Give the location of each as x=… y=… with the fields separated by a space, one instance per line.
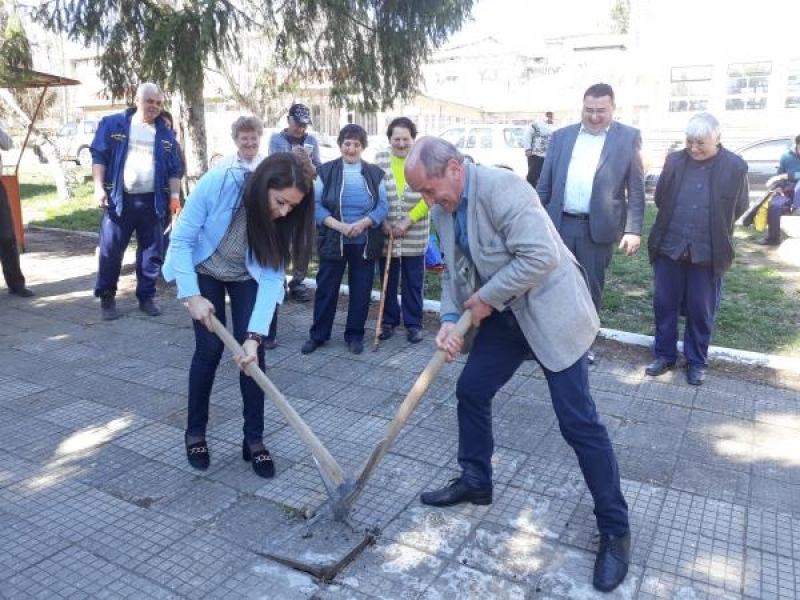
x=369 y=51
x=15 y=60
x=621 y=16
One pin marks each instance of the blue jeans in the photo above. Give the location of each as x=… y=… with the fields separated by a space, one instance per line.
x=679 y=287
x=779 y=205
x=498 y=350
x=139 y=216
x=412 y=271
x=208 y=352
x=360 y=275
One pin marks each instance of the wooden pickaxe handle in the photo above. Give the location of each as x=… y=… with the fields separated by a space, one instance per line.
x=329 y=469
x=382 y=303
x=405 y=409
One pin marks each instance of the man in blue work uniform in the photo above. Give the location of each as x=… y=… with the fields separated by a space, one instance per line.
x=136 y=167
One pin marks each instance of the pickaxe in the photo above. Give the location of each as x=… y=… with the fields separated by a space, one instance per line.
x=404 y=411
x=336 y=484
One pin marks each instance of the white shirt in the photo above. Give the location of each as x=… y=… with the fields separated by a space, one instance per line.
x=233 y=161
x=139 y=171
x=581 y=171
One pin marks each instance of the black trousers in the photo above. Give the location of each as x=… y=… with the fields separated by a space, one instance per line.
x=535 y=164
x=9 y=253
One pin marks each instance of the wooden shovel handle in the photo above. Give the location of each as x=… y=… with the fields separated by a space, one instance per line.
x=324 y=458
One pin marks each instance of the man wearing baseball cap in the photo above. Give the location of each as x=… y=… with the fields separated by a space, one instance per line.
x=295 y=137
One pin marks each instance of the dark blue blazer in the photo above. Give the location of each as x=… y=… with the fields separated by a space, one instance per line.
x=617 y=203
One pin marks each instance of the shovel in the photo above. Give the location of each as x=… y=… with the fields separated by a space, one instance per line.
x=403 y=413
x=382 y=303
x=337 y=486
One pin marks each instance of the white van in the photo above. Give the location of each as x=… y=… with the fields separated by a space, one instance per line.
x=491 y=144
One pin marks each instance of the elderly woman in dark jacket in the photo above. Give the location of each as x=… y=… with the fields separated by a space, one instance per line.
x=700 y=195
x=351 y=206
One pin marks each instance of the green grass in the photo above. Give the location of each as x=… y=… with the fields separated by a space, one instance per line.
x=42 y=207
x=759 y=310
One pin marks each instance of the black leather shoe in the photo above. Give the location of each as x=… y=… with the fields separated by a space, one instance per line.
x=310 y=345
x=767 y=241
x=695 y=375
x=300 y=294
x=659 y=366
x=198 y=455
x=22 y=292
x=414 y=335
x=387 y=331
x=611 y=564
x=457 y=492
x=108 y=306
x=263 y=466
x=149 y=307
x=355 y=346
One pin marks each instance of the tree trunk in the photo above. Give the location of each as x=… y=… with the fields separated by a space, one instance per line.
x=49 y=149
x=192 y=117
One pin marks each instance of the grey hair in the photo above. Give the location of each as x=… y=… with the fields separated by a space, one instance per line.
x=148 y=87
x=702 y=125
x=246 y=124
x=434 y=153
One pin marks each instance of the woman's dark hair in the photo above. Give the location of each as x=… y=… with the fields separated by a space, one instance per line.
x=352 y=132
x=290 y=238
x=403 y=122
x=165 y=114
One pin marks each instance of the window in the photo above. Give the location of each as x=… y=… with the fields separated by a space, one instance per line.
x=770 y=151
x=747 y=86
x=793 y=86
x=513 y=137
x=690 y=88
x=455 y=137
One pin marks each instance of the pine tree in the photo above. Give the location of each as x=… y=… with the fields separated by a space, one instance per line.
x=369 y=51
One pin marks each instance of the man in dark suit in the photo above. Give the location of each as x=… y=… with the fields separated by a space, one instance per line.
x=507 y=264
x=592 y=186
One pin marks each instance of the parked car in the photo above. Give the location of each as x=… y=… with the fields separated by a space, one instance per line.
x=74 y=140
x=762 y=158
x=491 y=144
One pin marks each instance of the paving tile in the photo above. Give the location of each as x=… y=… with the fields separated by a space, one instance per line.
x=773 y=532
x=430 y=530
x=726 y=402
x=510 y=554
x=250 y=521
x=197 y=563
x=644 y=508
x=75 y=573
x=459 y=581
x=530 y=512
x=392 y=570
x=771 y=576
x=658 y=585
x=719 y=483
x=136 y=540
x=569 y=575
x=263 y=577
x=24 y=544
x=775 y=494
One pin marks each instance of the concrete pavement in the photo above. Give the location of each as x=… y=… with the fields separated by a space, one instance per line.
x=97 y=500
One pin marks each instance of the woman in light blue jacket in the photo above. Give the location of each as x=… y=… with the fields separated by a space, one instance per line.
x=235 y=236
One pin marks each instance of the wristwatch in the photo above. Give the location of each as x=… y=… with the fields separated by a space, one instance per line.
x=256 y=337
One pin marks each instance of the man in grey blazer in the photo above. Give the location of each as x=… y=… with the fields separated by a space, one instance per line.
x=506 y=263
x=592 y=186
